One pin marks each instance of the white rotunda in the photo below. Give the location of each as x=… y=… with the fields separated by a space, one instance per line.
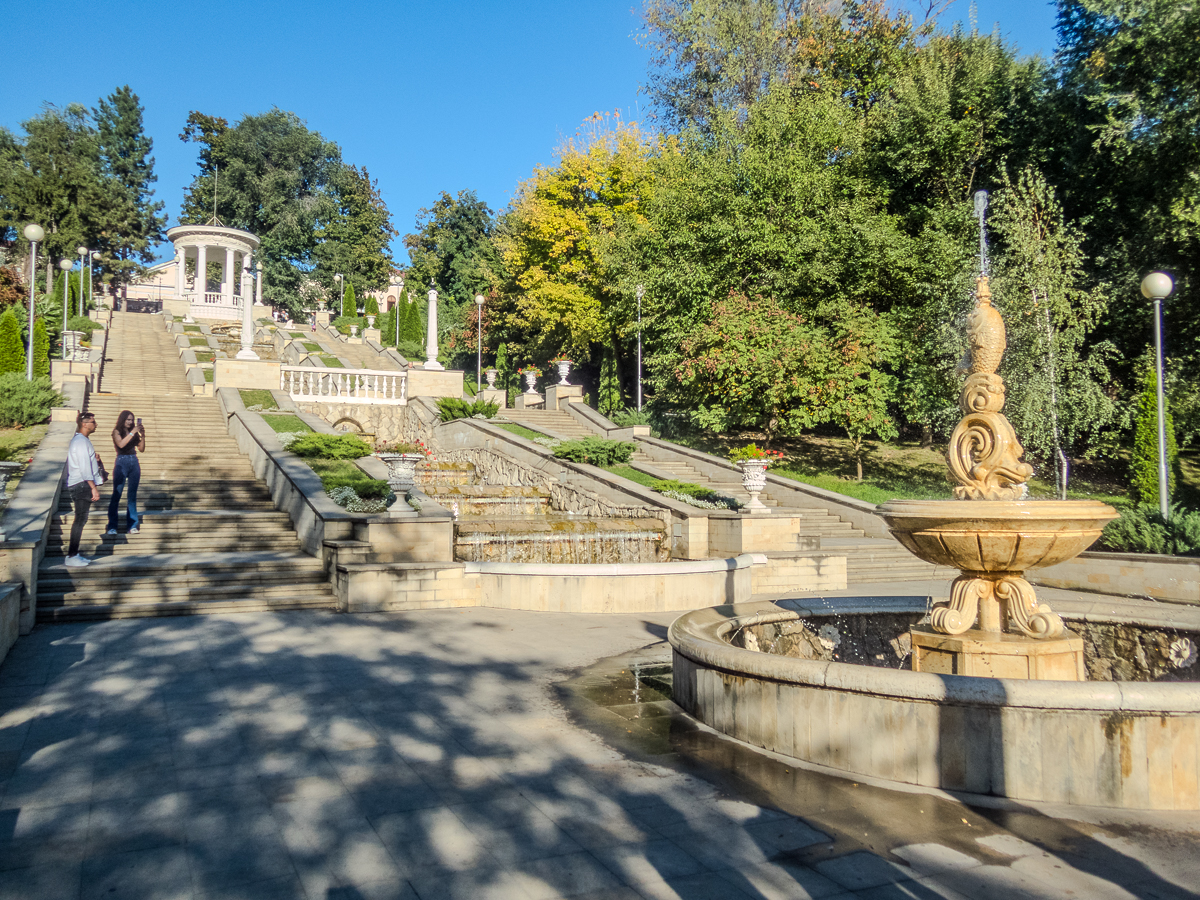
x=199 y=246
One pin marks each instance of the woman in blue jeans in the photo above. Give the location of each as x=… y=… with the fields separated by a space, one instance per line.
x=128 y=438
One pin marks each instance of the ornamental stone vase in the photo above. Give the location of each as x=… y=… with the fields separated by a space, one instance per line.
x=353 y=331
x=490 y=375
x=370 y=321
x=531 y=381
x=564 y=369
x=321 y=305
x=754 y=480
x=402 y=469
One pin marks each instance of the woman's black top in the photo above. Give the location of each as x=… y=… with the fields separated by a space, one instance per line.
x=129 y=449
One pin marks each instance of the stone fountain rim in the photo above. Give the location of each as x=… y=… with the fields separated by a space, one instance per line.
x=700 y=637
x=1023 y=510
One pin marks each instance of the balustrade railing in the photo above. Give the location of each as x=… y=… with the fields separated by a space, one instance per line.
x=344 y=385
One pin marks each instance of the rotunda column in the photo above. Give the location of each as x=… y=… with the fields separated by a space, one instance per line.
x=180 y=264
x=201 y=272
x=227 y=277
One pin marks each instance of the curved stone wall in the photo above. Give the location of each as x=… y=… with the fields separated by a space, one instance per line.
x=1116 y=744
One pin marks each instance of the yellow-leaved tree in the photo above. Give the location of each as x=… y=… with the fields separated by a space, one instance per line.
x=558 y=298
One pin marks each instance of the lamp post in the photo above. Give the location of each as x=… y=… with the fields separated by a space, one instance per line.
x=1157 y=286
x=66 y=265
x=640 y=291
x=84 y=259
x=94 y=258
x=479 y=351
x=340 y=296
x=33 y=234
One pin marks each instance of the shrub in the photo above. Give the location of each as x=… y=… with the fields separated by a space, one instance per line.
x=596 y=451
x=627 y=418
x=347 y=496
x=1143 y=530
x=87 y=326
x=452 y=408
x=330 y=446
x=1143 y=466
x=12 y=351
x=24 y=402
x=343 y=323
x=695 y=494
x=41 y=349
x=372 y=307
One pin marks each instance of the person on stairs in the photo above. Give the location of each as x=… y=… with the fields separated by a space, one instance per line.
x=85 y=474
x=128 y=438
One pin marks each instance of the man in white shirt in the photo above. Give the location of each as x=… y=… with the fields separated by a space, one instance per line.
x=85 y=473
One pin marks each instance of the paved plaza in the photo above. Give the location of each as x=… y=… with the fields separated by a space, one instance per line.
x=468 y=754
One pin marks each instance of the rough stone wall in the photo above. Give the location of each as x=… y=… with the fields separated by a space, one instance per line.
x=1110 y=652
x=492 y=468
x=387 y=423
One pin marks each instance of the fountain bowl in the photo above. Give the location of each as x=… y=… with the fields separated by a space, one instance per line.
x=996 y=535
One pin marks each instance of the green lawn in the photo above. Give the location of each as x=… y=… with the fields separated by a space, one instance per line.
x=520 y=430
x=260 y=398
x=311 y=347
x=331 y=361
x=205 y=356
x=626 y=471
x=189 y=329
x=18 y=444
x=285 y=422
x=336 y=472
x=198 y=341
x=208 y=375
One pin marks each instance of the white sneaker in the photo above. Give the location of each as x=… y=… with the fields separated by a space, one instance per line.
x=77 y=561
x=134 y=530
x=112 y=531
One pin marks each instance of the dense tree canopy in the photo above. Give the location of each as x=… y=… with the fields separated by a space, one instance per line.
x=315 y=215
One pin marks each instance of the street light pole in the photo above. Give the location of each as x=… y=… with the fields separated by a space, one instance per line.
x=396 y=309
x=93 y=258
x=1157 y=286
x=479 y=351
x=84 y=260
x=640 y=291
x=33 y=234
x=65 y=265
x=341 y=302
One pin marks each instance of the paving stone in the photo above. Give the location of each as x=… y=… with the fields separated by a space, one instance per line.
x=53 y=882
x=781 y=880
x=862 y=870
x=157 y=874
x=565 y=876
x=927 y=859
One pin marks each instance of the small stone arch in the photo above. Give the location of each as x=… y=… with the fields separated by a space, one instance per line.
x=347 y=421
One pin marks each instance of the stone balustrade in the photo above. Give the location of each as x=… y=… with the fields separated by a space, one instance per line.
x=308 y=384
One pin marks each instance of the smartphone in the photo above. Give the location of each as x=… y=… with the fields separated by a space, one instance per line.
x=139 y=421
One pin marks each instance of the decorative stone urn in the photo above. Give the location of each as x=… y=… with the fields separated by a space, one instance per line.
x=370 y=321
x=321 y=305
x=531 y=380
x=754 y=480
x=992 y=534
x=490 y=375
x=353 y=331
x=402 y=469
x=564 y=369
x=7 y=470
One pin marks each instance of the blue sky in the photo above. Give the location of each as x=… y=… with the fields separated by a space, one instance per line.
x=429 y=96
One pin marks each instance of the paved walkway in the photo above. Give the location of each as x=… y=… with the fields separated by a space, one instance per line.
x=429 y=755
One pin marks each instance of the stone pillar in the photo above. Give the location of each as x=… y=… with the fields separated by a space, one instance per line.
x=248 y=324
x=258 y=289
x=431 y=345
x=180 y=265
x=201 y=271
x=227 y=275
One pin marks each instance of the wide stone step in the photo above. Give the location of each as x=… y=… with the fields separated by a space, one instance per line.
x=92 y=612
x=97 y=545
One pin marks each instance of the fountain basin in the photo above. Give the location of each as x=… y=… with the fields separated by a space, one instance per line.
x=996 y=535
x=1132 y=745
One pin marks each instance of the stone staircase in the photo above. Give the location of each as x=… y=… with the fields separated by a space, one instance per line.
x=553 y=422
x=360 y=356
x=868 y=560
x=210 y=537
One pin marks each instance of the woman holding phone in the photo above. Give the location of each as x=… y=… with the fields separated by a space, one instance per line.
x=128 y=437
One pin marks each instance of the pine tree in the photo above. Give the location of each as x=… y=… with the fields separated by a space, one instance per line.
x=349 y=303
x=372 y=307
x=412 y=329
x=1143 y=466
x=504 y=371
x=41 y=349
x=12 y=351
x=128 y=170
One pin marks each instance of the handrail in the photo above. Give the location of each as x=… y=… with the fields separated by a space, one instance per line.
x=336 y=385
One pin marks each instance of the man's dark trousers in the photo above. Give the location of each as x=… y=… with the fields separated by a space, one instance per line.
x=81 y=494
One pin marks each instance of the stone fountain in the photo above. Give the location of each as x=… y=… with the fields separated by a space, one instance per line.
x=994 y=624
